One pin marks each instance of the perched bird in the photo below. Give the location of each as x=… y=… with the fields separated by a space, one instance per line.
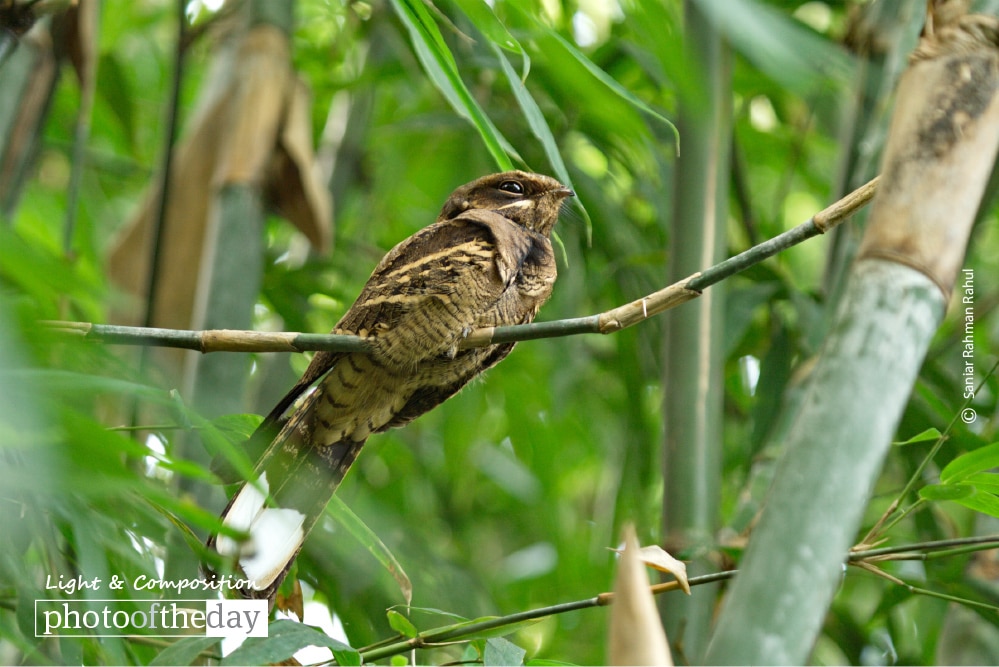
x=487 y=261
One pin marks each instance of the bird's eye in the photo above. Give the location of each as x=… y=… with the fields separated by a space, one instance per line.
x=513 y=187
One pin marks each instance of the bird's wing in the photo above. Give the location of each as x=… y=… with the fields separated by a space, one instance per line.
x=428 y=272
x=434 y=287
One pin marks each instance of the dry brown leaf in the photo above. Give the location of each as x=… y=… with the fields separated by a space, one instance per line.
x=32 y=101
x=296 y=187
x=636 y=631
x=256 y=101
x=294 y=602
x=658 y=558
x=183 y=234
x=251 y=114
x=81 y=40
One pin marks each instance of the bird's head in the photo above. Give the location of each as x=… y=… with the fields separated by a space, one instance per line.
x=530 y=200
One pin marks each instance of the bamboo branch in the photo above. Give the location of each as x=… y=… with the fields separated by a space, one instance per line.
x=865 y=559
x=622 y=317
x=213 y=340
x=466 y=630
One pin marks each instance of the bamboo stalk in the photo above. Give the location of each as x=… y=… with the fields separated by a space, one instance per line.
x=939 y=156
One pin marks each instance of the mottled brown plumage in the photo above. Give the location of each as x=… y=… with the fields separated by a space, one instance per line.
x=486 y=261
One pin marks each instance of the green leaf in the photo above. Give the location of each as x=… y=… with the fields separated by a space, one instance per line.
x=986 y=503
x=929 y=434
x=946 y=491
x=42 y=274
x=237 y=427
x=116 y=89
x=501 y=651
x=987 y=482
x=437 y=612
x=222 y=440
x=184 y=651
x=440 y=66
x=285 y=638
x=485 y=21
x=401 y=624
x=609 y=81
x=360 y=531
x=978 y=460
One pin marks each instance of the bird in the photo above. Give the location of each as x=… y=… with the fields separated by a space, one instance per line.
x=486 y=261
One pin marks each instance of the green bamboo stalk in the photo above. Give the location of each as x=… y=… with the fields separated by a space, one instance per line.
x=834 y=452
x=940 y=153
x=694 y=354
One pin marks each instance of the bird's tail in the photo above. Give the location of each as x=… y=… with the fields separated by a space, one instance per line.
x=294 y=482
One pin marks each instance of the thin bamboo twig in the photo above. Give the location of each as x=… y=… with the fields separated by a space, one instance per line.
x=226 y=340
x=917 y=590
x=883 y=524
x=163 y=196
x=458 y=631
x=864 y=559
x=906 y=551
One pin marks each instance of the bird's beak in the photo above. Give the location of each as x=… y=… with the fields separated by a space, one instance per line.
x=563 y=192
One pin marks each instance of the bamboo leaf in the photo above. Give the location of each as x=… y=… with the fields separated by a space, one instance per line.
x=468 y=630
x=978 y=460
x=779 y=46
x=440 y=66
x=986 y=503
x=984 y=481
x=609 y=81
x=946 y=491
x=501 y=651
x=485 y=21
x=360 y=531
x=929 y=434
x=401 y=624
x=237 y=427
x=437 y=612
